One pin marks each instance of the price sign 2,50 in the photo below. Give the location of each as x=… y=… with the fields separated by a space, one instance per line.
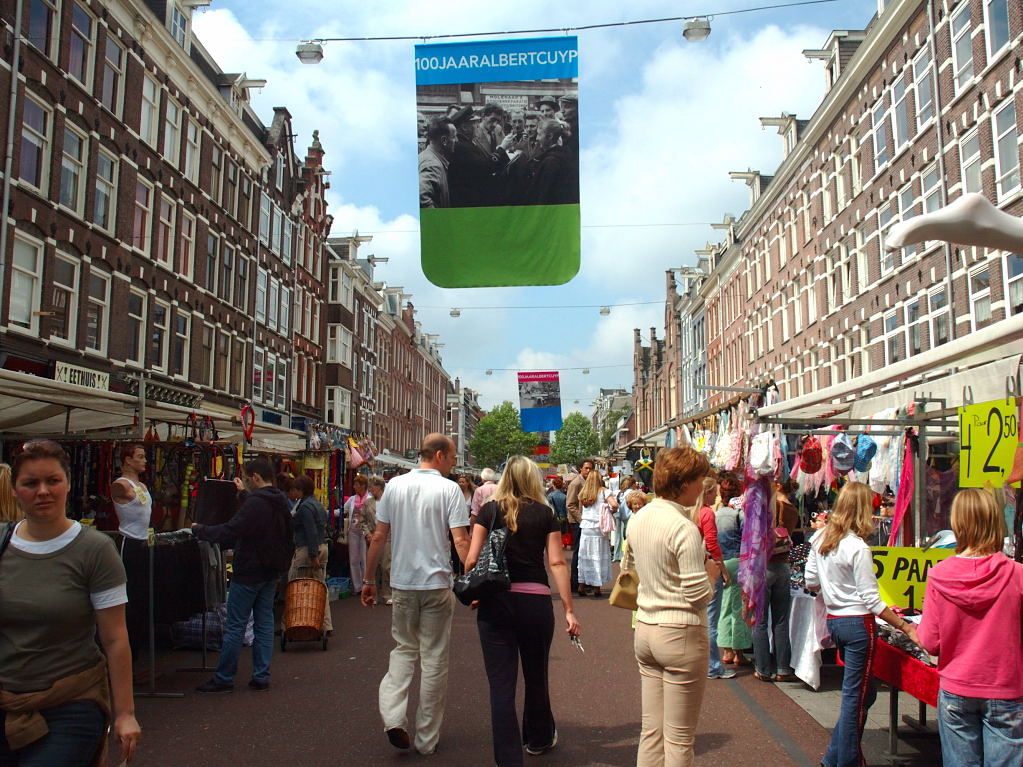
x=988 y=435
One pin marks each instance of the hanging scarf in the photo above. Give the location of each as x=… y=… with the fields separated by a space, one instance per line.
x=755 y=549
x=907 y=484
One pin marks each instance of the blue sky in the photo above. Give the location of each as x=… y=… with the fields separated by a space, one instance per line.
x=662 y=121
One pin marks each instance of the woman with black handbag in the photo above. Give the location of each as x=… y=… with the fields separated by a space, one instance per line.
x=519 y=622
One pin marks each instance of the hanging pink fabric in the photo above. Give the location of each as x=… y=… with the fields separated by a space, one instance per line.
x=907 y=484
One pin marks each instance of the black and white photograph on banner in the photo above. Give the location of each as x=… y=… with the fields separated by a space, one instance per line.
x=533 y=394
x=498 y=144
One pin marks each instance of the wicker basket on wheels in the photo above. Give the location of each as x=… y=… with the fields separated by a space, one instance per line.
x=304 y=604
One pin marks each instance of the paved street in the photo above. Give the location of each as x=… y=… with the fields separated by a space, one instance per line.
x=321 y=710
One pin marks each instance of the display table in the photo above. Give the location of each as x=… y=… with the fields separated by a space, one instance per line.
x=808 y=635
x=904 y=673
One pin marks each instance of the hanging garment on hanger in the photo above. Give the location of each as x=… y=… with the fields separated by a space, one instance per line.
x=907 y=485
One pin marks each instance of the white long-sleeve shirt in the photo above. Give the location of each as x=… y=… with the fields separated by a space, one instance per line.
x=845 y=577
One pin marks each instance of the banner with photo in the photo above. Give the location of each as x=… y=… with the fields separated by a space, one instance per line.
x=540 y=400
x=499 y=161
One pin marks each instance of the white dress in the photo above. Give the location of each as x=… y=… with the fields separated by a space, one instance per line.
x=594 y=547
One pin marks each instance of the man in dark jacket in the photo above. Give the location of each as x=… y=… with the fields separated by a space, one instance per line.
x=475 y=176
x=555 y=180
x=260 y=534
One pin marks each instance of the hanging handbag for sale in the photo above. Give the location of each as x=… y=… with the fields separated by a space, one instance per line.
x=490 y=575
x=626 y=589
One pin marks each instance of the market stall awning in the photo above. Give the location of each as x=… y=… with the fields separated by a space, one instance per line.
x=33 y=406
x=395 y=460
x=943 y=372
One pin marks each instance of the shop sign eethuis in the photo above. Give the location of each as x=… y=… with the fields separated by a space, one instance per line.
x=902 y=573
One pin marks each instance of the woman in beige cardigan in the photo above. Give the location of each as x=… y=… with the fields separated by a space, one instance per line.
x=666 y=550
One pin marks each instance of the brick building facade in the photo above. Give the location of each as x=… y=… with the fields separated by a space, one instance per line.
x=922 y=106
x=157 y=228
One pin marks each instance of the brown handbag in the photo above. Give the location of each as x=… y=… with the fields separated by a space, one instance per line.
x=626 y=588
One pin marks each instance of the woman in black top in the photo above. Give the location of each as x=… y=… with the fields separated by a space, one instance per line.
x=520 y=622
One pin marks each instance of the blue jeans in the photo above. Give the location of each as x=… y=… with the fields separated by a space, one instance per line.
x=714 y=665
x=979 y=732
x=76 y=731
x=855 y=638
x=779 y=601
x=242 y=600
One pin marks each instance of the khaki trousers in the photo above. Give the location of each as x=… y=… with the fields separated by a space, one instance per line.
x=673 y=668
x=300 y=568
x=383 y=575
x=421 y=627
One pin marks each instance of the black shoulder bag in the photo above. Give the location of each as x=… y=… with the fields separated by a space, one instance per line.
x=490 y=575
x=5 y=539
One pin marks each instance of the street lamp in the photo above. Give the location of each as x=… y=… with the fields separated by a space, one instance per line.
x=455 y=312
x=309 y=52
x=605 y=310
x=697 y=29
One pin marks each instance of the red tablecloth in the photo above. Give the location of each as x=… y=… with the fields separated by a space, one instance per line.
x=902 y=670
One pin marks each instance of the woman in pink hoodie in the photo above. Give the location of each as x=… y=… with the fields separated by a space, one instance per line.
x=972 y=622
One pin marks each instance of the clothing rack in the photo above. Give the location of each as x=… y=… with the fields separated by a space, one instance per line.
x=205 y=667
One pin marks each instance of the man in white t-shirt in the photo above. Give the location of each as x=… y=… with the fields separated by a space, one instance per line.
x=418 y=511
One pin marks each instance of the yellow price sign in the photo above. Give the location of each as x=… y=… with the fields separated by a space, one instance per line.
x=902 y=573
x=988 y=435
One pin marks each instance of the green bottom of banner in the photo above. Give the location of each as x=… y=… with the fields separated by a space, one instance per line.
x=491 y=247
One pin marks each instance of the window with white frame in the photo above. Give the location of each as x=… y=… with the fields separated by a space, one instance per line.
x=900 y=113
x=811 y=296
x=73 y=161
x=996 y=23
x=82 y=42
x=241 y=283
x=276 y=232
x=285 y=318
x=112 y=86
x=212 y=261
x=980 y=298
x=179 y=26
x=43 y=26
x=907 y=201
x=36 y=123
x=64 y=300
x=301 y=254
x=237 y=365
x=879 y=134
x=347 y=340
x=939 y=319
x=282 y=383
x=136 y=336
x=862 y=266
x=223 y=361
x=840 y=198
x=930 y=184
x=279 y=172
x=885 y=219
x=261 y=279
x=962 y=47
x=339 y=407
x=227 y=272
x=307 y=321
x=916 y=321
x=289 y=230
x=892 y=338
x=97 y=311
x=193 y=153
x=149 y=119
x=163 y=252
x=143 y=214
x=347 y=291
x=206 y=351
x=186 y=245
x=104 y=208
x=231 y=188
x=179 y=346
x=273 y=306
x=1003 y=126
x=1014 y=282
x=245 y=202
x=216 y=174
x=969 y=161
x=924 y=87
x=258 y=361
x=264 y=218
x=270 y=378
x=172 y=133
x=855 y=173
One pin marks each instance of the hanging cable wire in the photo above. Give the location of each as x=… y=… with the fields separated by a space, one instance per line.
x=565 y=30
x=550 y=306
x=550 y=367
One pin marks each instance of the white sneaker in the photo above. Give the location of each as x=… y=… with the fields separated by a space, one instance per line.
x=390 y=602
x=543 y=749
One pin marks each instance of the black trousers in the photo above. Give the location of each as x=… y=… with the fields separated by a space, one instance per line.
x=514 y=626
x=135 y=556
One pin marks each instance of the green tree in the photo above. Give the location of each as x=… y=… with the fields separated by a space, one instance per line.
x=499 y=435
x=607 y=435
x=575 y=440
